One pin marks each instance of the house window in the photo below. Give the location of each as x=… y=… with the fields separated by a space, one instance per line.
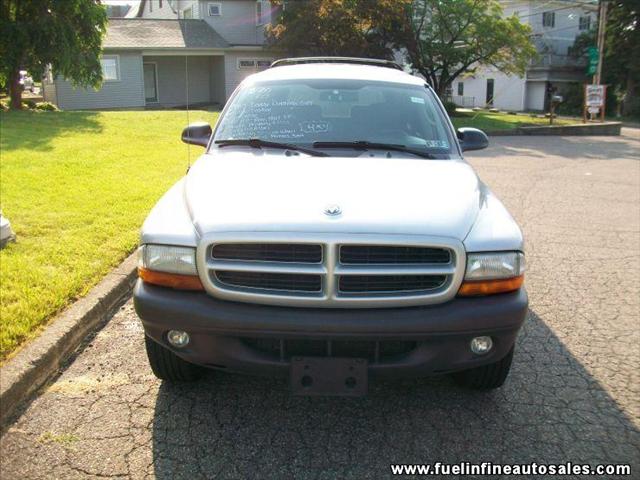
x=151 y=6
x=549 y=19
x=585 y=23
x=187 y=13
x=253 y=63
x=460 y=88
x=489 y=96
x=244 y=63
x=160 y=3
x=215 y=9
x=110 y=68
x=262 y=12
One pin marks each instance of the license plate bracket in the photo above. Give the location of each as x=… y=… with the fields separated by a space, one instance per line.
x=329 y=376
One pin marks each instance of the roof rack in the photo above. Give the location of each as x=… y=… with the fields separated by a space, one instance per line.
x=351 y=60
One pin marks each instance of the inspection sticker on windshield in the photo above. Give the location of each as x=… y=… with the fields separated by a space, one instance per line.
x=436 y=143
x=417 y=100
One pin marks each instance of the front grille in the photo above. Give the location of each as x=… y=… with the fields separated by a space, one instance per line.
x=390 y=283
x=374 y=351
x=268 y=252
x=382 y=255
x=288 y=282
x=331 y=270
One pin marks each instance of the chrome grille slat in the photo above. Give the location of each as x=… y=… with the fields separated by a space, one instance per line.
x=394 y=270
x=267 y=267
x=372 y=282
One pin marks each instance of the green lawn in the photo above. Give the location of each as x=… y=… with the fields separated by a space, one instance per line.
x=76 y=187
x=491 y=122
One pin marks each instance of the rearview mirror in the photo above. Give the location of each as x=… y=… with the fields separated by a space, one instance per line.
x=472 y=139
x=197 y=133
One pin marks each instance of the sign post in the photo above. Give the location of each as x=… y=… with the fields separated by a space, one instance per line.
x=594 y=56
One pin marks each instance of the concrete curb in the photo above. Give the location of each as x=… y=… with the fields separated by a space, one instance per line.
x=579 y=129
x=42 y=358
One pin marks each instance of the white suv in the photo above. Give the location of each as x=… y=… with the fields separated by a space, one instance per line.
x=332 y=231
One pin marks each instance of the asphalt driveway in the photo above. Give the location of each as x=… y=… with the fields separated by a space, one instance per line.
x=573 y=394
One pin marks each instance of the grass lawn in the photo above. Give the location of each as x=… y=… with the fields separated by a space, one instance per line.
x=485 y=120
x=76 y=187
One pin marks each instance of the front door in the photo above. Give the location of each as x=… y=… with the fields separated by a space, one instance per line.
x=150 y=83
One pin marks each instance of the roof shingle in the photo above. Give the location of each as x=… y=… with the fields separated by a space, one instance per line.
x=158 y=34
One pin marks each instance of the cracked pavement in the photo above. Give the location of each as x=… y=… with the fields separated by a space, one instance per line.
x=573 y=393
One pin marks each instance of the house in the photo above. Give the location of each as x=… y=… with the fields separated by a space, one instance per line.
x=167 y=53
x=555 y=25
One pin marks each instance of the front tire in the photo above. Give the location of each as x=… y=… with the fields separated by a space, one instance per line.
x=486 y=377
x=166 y=365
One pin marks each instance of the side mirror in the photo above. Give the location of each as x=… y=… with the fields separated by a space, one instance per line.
x=472 y=139
x=197 y=133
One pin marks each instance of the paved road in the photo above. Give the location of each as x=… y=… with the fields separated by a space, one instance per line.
x=573 y=394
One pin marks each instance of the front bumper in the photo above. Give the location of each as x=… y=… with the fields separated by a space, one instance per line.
x=260 y=339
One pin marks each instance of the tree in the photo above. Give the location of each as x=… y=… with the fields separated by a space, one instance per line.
x=445 y=38
x=356 y=28
x=442 y=39
x=621 y=67
x=64 y=34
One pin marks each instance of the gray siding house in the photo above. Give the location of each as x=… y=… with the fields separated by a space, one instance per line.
x=169 y=53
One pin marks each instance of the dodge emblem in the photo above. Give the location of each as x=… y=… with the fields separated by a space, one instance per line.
x=333 y=210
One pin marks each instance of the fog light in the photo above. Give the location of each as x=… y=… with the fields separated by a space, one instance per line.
x=481 y=345
x=178 y=338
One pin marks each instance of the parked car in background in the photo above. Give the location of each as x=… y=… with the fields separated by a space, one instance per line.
x=330 y=232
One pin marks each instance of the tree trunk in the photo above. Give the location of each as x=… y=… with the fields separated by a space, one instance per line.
x=15 y=90
x=442 y=87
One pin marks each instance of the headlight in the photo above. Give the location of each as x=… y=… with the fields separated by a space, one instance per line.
x=493 y=266
x=492 y=272
x=169 y=266
x=170 y=259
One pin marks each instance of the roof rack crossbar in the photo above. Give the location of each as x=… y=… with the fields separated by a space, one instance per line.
x=351 y=60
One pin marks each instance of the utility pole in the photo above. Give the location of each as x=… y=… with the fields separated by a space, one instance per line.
x=602 y=27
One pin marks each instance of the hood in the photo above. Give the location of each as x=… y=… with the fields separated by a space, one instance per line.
x=246 y=189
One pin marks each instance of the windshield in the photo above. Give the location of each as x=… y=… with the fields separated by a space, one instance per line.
x=304 y=112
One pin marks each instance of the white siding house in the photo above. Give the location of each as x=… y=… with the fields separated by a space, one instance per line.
x=168 y=53
x=555 y=26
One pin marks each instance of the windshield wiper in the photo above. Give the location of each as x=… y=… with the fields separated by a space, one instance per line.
x=258 y=143
x=365 y=145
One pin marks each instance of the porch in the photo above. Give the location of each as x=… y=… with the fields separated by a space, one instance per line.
x=173 y=81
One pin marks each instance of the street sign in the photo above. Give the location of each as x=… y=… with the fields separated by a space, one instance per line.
x=594 y=100
x=593 y=55
x=594 y=96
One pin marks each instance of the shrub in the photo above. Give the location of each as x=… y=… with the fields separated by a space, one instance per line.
x=47 y=107
x=450 y=107
x=4 y=106
x=30 y=104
